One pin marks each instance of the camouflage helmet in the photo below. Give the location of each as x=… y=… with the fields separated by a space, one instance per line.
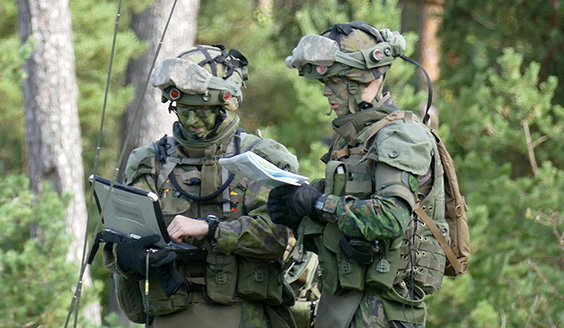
x=355 y=50
x=203 y=76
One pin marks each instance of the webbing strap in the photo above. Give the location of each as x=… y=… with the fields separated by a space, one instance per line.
x=439 y=236
x=340 y=153
x=408 y=116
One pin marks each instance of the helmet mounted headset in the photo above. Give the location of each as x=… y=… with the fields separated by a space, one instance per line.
x=203 y=76
x=333 y=57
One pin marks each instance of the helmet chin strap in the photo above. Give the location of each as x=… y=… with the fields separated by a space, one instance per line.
x=221 y=115
x=356 y=103
x=355 y=97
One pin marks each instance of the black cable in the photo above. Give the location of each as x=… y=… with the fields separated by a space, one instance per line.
x=147 y=316
x=216 y=193
x=429 y=86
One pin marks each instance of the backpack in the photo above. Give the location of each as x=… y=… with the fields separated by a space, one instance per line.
x=458 y=251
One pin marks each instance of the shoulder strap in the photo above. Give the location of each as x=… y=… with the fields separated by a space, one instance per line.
x=218 y=191
x=339 y=153
x=439 y=236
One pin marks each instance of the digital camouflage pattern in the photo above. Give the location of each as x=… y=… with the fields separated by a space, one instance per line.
x=349 y=54
x=210 y=83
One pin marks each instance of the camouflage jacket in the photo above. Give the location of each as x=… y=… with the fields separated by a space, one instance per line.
x=364 y=211
x=244 y=227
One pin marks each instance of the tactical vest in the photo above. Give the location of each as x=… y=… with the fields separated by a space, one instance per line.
x=415 y=255
x=223 y=278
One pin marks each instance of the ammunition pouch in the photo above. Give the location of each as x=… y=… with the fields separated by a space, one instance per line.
x=129 y=298
x=159 y=303
x=221 y=275
x=259 y=281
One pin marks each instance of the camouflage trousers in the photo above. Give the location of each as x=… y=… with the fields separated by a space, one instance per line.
x=213 y=315
x=365 y=309
x=370 y=314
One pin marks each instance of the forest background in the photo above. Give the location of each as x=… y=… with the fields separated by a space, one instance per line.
x=495 y=66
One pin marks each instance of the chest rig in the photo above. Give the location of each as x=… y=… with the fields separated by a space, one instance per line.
x=194 y=183
x=386 y=263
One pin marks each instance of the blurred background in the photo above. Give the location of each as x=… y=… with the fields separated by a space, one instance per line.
x=495 y=67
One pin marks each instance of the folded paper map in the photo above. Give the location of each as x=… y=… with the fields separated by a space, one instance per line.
x=256 y=168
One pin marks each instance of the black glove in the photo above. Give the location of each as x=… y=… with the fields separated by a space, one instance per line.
x=131 y=256
x=170 y=278
x=277 y=209
x=288 y=204
x=301 y=200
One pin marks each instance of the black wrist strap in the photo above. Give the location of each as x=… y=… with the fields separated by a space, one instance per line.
x=213 y=222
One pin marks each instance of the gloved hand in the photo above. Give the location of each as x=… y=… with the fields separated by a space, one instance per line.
x=288 y=204
x=301 y=200
x=170 y=278
x=131 y=256
x=278 y=211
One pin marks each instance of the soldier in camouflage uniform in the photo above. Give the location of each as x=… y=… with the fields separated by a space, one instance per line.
x=239 y=282
x=378 y=260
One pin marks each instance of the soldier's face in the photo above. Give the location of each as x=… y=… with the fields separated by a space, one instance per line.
x=337 y=92
x=199 y=120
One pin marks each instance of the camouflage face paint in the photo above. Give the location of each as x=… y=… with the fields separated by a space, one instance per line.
x=337 y=92
x=199 y=120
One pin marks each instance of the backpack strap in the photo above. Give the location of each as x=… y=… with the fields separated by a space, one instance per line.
x=439 y=236
x=397 y=115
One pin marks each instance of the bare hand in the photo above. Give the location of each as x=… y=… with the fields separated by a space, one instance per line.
x=183 y=226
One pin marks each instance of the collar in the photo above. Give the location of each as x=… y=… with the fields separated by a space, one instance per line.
x=190 y=147
x=350 y=126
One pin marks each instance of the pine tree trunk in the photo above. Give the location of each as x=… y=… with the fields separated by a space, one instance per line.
x=430 y=49
x=53 y=137
x=153 y=119
x=431 y=20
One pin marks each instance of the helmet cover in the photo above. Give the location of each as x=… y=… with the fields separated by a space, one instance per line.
x=355 y=50
x=203 y=76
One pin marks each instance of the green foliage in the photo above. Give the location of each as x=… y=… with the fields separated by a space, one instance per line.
x=93 y=27
x=475 y=33
x=511 y=182
x=34 y=274
x=12 y=57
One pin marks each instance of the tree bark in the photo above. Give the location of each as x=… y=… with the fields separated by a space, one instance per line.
x=53 y=136
x=430 y=49
x=431 y=20
x=153 y=120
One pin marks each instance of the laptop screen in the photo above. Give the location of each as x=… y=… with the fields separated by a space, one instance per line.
x=129 y=211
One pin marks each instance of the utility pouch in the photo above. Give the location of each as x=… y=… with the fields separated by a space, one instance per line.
x=350 y=273
x=275 y=284
x=172 y=203
x=221 y=275
x=382 y=272
x=400 y=299
x=336 y=178
x=329 y=267
x=252 y=279
x=159 y=304
x=129 y=298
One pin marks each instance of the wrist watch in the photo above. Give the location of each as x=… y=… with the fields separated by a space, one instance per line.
x=213 y=222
